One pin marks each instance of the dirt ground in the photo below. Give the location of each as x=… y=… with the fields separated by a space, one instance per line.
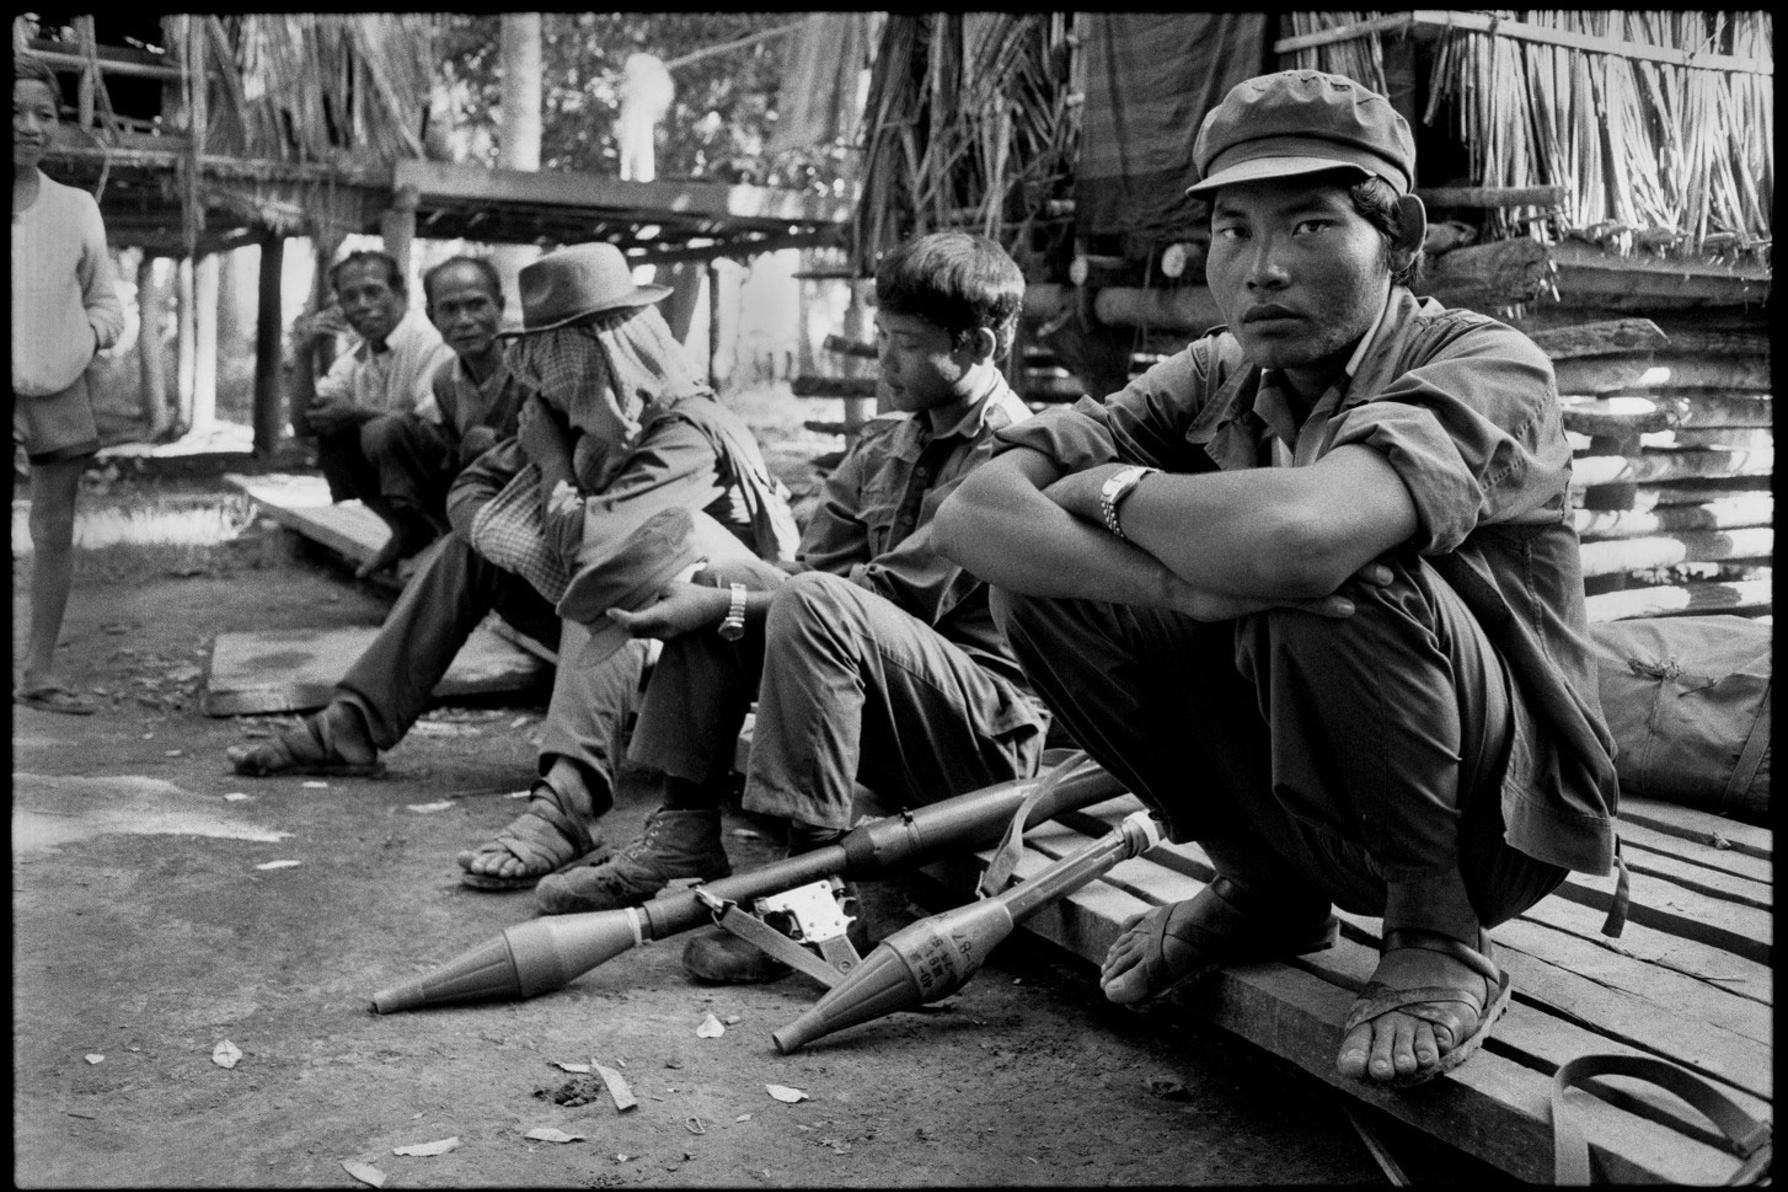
x=148 y=929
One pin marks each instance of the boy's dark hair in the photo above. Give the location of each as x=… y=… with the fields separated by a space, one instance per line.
x=30 y=66
x=960 y=281
x=492 y=279
x=394 y=277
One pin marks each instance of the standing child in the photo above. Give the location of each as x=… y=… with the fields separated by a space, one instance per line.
x=65 y=309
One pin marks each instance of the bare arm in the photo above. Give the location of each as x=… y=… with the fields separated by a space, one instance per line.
x=1268 y=533
x=1019 y=524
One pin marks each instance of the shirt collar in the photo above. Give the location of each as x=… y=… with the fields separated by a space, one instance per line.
x=960 y=419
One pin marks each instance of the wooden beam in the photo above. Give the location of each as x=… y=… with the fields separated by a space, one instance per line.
x=1675 y=465
x=107 y=64
x=1736 y=512
x=1587 y=276
x=186 y=354
x=1473 y=22
x=1503 y=273
x=435 y=181
x=1667 y=550
x=1740 y=596
x=849 y=347
x=269 y=328
x=1491 y=196
x=1599 y=339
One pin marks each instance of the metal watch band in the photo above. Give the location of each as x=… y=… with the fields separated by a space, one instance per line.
x=1121 y=484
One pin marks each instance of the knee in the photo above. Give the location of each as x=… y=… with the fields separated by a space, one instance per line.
x=379 y=435
x=805 y=602
x=52 y=526
x=1381 y=612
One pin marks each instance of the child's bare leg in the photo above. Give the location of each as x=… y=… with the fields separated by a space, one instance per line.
x=54 y=487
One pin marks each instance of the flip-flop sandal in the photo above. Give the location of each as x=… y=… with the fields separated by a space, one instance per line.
x=539 y=838
x=1218 y=932
x=1378 y=999
x=55 y=698
x=305 y=750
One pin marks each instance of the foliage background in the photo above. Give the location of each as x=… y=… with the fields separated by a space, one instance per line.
x=718 y=126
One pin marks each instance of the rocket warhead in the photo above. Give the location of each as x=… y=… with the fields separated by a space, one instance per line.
x=526 y=959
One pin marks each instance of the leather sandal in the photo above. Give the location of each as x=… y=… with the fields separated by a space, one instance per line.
x=304 y=750
x=1224 y=924
x=1424 y=1001
x=543 y=838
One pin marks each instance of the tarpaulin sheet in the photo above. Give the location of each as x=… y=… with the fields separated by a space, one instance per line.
x=1150 y=79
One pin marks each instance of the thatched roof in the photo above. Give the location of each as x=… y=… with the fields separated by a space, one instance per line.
x=1655 y=150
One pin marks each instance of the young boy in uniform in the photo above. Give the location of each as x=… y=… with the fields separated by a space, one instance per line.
x=878 y=659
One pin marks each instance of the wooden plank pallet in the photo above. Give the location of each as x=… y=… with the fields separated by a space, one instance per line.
x=1689 y=981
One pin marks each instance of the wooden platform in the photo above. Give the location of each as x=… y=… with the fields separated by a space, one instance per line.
x=1689 y=980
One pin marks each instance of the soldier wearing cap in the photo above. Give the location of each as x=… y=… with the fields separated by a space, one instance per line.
x=1311 y=588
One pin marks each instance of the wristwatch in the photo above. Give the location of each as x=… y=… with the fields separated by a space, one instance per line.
x=733 y=628
x=1117 y=486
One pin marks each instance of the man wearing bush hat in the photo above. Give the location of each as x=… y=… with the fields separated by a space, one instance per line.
x=618 y=426
x=1311 y=588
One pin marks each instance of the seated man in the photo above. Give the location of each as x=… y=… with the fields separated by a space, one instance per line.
x=378 y=429
x=622 y=427
x=878 y=660
x=478 y=397
x=1310 y=588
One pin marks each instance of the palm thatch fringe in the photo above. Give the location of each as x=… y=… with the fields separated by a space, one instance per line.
x=1651 y=155
x=969 y=124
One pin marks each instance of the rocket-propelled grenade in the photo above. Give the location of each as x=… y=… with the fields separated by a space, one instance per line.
x=546 y=953
x=933 y=958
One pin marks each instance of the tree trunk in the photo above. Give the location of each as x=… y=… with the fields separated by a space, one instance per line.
x=518 y=141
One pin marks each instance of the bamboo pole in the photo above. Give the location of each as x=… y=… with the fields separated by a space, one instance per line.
x=269 y=325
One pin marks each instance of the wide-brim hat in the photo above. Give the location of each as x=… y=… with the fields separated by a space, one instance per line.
x=1302 y=122
x=574 y=283
x=630 y=574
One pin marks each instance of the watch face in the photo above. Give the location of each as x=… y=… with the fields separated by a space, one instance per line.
x=731 y=631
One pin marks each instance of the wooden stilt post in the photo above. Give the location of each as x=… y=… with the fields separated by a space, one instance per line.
x=204 y=370
x=269 y=323
x=185 y=354
x=152 y=307
x=398 y=226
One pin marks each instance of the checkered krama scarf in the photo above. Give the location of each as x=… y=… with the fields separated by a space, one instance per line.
x=608 y=376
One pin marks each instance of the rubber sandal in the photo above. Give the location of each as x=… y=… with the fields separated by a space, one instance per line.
x=1378 y=999
x=1218 y=928
x=538 y=838
x=304 y=750
x=53 y=697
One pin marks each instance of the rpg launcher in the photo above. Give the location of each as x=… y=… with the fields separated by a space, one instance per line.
x=935 y=957
x=546 y=953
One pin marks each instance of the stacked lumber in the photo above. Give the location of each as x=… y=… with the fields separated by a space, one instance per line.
x=1689 y=981
x=1673 y=453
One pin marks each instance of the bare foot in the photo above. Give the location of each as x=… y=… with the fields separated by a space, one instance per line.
x=1166 y=945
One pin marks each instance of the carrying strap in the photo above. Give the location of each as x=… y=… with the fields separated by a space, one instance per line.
x=1616 y=922
x=1750 y=1138
x=1750 y=758
x=998 y=874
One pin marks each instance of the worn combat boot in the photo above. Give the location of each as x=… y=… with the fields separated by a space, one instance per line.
x=676 y=844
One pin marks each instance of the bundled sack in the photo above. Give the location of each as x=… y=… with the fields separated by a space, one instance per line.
x=1687 y=699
